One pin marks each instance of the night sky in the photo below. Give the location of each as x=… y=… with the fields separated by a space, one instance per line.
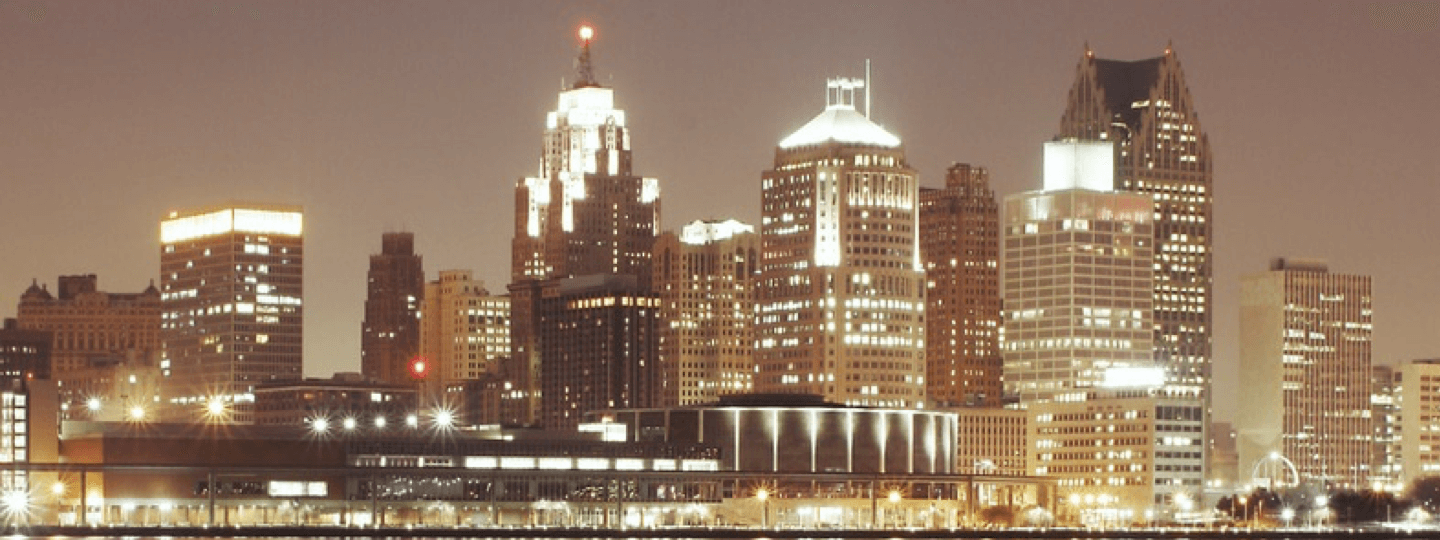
x=420 y=116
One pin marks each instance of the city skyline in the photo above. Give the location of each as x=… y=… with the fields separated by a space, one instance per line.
x=268 y=104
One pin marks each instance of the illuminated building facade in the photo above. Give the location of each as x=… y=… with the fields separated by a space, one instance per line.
x=1386 y=399
x=1118 y=456
x=465 y=331
x=1163 y=153
x=841 y=301
x=992 y=441
x=1418 y=439
x=390 y=333
x=1305 y=337
x=1077 y=276
x=597 y=336
x=100 y=337
x=960 y=247
x=705 y=278
x=91 y=326
x=231 y=284
x=584 y=213
x=29 y=410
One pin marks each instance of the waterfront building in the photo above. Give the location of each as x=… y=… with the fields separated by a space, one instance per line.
x=390 y=333
x=705 y=278
x=345 y=401
x=841 y=297
x=231 y=295
x=1305 y=367
x=1418 y=436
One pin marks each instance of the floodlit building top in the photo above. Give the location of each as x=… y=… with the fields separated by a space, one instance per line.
x=840 y=122
x=180 y=226
x=700 y=232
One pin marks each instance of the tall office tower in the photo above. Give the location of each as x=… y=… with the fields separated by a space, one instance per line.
x=1305 y=372
x=231 y=283
x=29 y=410
x=94 y=330
x=960 y=247
x=1386 y=398
x=583 y=213
x=597 y=338
x=1145 y=107
x=705 y=278
x=842 y=295
x=390 y=333
x=1419 y=422
x=465 y=331
x=1077 y=276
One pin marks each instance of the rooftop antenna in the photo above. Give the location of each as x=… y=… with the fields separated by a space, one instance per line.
x=867 y=88
x=582 y=64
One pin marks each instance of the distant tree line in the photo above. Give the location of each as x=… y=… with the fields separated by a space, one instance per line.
x=1345 y=506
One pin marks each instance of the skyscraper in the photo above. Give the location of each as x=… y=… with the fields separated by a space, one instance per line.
x=1078 y=354
x=960 y=247
x=583 y=213
x=390 y=333
x=1162 y=151
x=231 y=283
x=841 y=301
x=1305 y=337
x=705 y=278
x=1077 y=277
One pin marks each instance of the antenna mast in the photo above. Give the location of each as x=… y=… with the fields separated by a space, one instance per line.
x=867 y=88
x=582 y=64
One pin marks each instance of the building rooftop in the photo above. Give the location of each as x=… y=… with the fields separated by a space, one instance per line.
x=1125 y=83
x=841 y=123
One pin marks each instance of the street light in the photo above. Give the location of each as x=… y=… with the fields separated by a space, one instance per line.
x=763 y=495
x=137 y=413
x=895 y=506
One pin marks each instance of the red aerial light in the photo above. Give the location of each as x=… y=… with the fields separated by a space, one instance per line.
x=419 y=367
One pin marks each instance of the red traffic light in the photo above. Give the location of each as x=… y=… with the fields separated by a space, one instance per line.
x=419 y=367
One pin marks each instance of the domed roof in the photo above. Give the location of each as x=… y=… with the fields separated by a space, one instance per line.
x=841 y=123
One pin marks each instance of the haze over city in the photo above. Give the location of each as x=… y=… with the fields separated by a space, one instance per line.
x=380 y=117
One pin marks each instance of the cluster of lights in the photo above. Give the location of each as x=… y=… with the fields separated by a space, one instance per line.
x=441 y=419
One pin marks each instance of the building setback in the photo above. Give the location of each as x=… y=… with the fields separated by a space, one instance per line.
x=390 y=333
x=705 y=278
x=841 y=301
x=1162 y=152
x=231 y=287
x=960 y=248
x=1305 y=336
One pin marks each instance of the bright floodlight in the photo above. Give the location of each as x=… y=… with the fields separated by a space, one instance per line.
x=762 y=494
x=93 y=404
x=137 y=413
x=379 y=421
x=587 y=33
x=58 y=488
x=445 y=419
x=215 y=407
x=1322 y=500
x=349 y=424
x=319 y=424
x=894 y=496
x=15 y=501
x=1287 y=514
x=412 y=420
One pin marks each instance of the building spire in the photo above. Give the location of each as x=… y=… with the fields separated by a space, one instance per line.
x=583 y=67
